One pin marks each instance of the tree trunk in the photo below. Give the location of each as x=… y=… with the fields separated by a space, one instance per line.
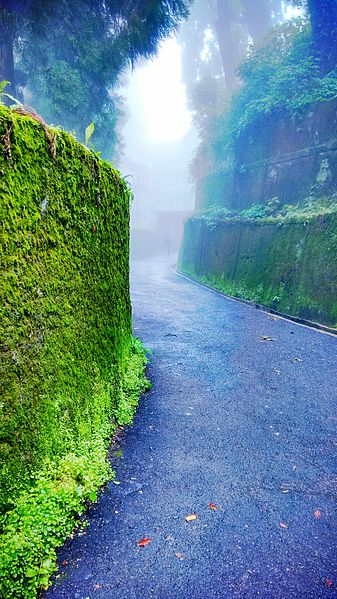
x=228 y=49
x=257 y=16
x=323 y=17
x=7 y=58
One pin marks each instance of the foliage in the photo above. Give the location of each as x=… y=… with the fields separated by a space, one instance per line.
x=47 y=512
x=280 y=80
x=68 y=362
x=70 y=55
x=271 y=212
x=133 y=383
x=5 y=95
x=281 y=77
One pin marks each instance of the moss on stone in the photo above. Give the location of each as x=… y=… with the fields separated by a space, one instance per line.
x=65 y=337
x=287 y=264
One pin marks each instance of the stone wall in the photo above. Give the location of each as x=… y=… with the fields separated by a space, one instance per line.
x=291 y=160
x=289 y=265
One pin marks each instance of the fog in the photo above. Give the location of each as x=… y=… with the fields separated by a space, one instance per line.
x=159 y=141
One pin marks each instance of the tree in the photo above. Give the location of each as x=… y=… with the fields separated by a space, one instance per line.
x=73 y=52
x=228 y=26
x=323 y=18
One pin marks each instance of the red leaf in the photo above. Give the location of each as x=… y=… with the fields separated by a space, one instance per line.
x=283 y=525
x=212 y=506
x=317 y=513
x=144 y=542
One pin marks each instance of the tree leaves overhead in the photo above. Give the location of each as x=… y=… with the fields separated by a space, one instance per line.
x=73 y=52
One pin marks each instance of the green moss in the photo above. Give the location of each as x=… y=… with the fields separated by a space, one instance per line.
x=67 y=355
x=289 y=264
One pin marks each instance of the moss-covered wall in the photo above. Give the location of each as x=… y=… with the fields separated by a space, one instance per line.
x=291 y=159
x=289 y=265
x=65 y=310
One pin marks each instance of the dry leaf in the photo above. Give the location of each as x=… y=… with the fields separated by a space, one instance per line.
x=179 y=555
x=212 y=506
x=317 y=513
x=191 y=517
x=283 y=525
x=64 y=563
x=328 y=582
x=144 y=542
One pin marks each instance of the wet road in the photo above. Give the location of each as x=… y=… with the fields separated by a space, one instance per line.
x=233 y=419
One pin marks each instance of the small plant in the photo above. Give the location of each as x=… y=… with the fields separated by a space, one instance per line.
x=89 y=132
x=255 y=211
x=3 y=94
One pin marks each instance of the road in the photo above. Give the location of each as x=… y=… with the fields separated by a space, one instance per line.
x=241 y=415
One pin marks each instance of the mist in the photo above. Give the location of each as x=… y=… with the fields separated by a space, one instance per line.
x=159 y=141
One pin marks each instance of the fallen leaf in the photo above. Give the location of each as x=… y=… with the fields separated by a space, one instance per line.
x=266 y=338
x=328 y=582
x=297 y=359
x=283 y=525
x=317 y=513
x=116 y=482
x=97 y=586
x=179 y=555
x=212 y=506
x=144 y=542
x=191 y=517
x=64 y=563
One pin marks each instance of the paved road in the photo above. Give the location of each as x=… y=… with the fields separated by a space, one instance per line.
x=232 y=420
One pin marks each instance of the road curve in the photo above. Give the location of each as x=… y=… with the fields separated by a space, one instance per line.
x=241 y=415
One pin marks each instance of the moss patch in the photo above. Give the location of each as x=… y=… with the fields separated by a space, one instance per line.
x=289 y=264
x=68 y=363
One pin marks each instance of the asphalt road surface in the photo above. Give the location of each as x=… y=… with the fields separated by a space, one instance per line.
x=241 y=415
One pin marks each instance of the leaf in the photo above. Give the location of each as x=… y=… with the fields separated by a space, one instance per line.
x=266 y=338
x=143 y=542
x=179 y=555
x=88 y=132
x=317 y=513
x=92 y=496
x=116 y=482
x=212 y=506
x=328 y=582
x=119 y=453
x=3 y=84
x=297 y=359
x=191 y=517
x=283 y=525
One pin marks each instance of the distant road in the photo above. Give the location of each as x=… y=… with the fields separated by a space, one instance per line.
x=242 y=415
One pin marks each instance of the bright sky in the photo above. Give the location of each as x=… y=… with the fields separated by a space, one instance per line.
x=157 y=93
